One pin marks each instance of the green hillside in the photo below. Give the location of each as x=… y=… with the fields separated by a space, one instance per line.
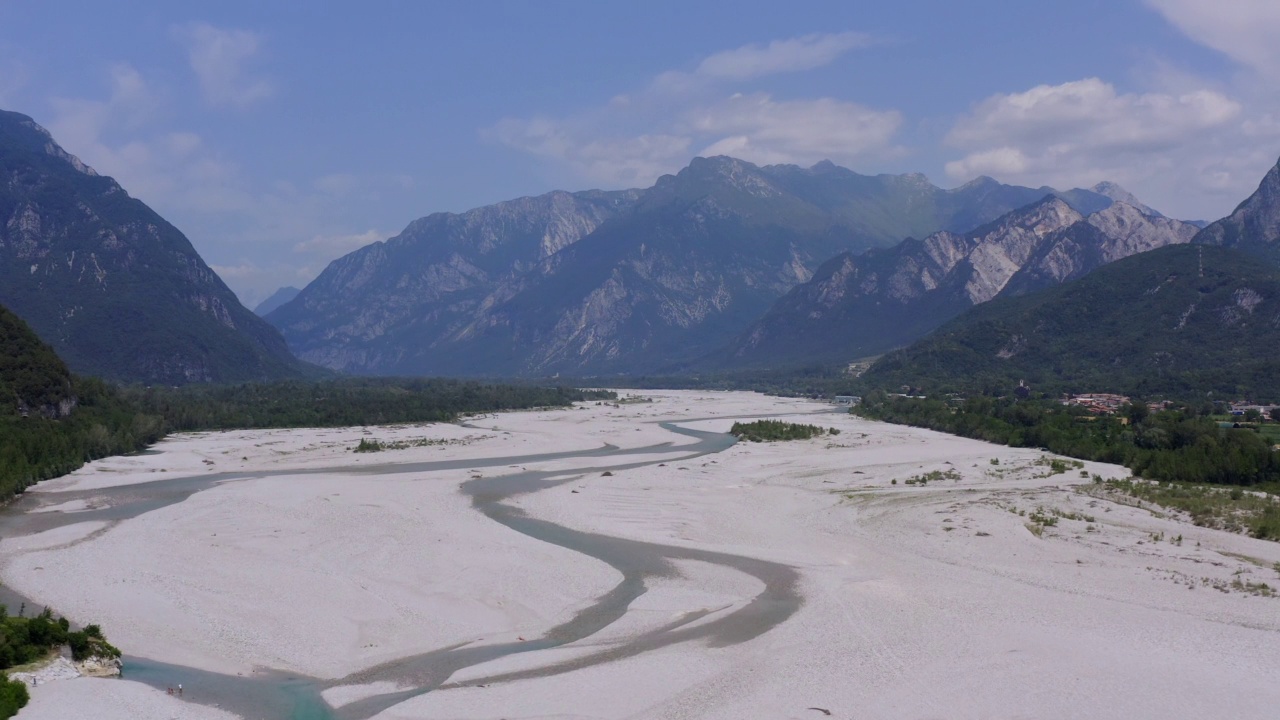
x=52 y=422
x=1181 y=321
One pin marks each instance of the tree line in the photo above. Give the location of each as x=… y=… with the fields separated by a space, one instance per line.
x=1179 y=444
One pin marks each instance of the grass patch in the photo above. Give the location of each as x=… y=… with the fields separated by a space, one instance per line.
x=1058 y=466
x=933 y=476
x=1235 y=509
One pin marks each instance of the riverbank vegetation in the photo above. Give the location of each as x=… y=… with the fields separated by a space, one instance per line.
x=776 y=430
x=27 y=639
x=1255 y=511
x=53 y=422
x=106 y=420
x=1173 y=445
x=13 y=697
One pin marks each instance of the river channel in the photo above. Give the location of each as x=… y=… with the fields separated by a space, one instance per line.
x=275 y=695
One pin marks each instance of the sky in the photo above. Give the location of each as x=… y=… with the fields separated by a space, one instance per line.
x=280 y=136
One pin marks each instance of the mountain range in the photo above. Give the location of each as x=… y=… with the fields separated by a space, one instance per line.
x=723 y=265
x=275 y=300
x=618 y=282
x=115 y=289
x=1178 y=321
x=1184 y=321
x=862 y=305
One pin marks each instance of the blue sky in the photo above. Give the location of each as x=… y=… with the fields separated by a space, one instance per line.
x=279 y=136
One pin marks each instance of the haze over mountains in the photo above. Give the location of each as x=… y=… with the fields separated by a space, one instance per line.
x=638 y=281
x=115 y=289
x=276 y=299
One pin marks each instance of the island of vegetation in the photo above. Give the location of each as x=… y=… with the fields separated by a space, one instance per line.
x=775 y=430
x=25 y=640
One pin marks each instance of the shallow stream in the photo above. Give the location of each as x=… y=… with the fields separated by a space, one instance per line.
x=275 y=695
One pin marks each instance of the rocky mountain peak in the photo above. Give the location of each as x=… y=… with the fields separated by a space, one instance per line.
x=18 y=130
x=982 y=181
x=859 y=305
x=826 y=167
x=1004 y=247
x=1254 y=226
x=1039 y=219
x=1132 y=230
x=730 y=172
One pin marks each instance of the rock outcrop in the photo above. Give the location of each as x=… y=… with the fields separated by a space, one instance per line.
x=1254 y=226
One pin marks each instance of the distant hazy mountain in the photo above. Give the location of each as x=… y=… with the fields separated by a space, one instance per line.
x=1254 y=226
x=116 y=290
x=861 y=305
x=601 y=282
x=1182 y=320
x=278 y=298
x=1119 y=194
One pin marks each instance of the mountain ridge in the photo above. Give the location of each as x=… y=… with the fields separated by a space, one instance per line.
x=663 y=275
x=115 y=289
x=858 y=306
x=1179 y=320
x=1254 y=226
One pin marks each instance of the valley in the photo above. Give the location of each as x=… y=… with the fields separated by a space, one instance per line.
x=624 y=558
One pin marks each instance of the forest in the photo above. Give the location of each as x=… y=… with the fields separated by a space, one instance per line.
x=108 y=420
x=53 y=422
x=341 y=402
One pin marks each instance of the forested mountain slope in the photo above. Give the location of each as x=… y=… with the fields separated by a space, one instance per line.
x=114 y=288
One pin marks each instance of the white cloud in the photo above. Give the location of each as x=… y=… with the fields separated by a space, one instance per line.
x=760 y=129
x=634 y=138
x=1244 y=30
x=328 y=247
x=1090 y=115
x=1187 y=152
x=781 y=56
x=585 y=147
x=219 y=58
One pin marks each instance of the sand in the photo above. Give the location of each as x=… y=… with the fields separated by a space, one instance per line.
x=111 y=699
x=919 y=601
